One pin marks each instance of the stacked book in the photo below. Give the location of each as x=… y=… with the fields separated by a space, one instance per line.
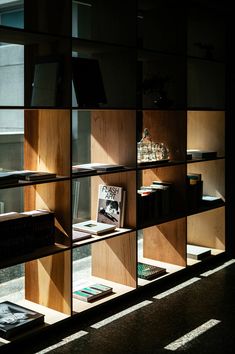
x=24 y=232
x=92 y=292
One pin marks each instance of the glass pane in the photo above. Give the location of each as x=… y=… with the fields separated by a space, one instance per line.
x=12 y=74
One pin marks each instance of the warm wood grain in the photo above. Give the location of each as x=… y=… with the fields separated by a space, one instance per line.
x=213 y=176
x=166 y=242
x=168 y=127
x=113 y=137
x=206 y=131
x=207 y=229
x=47 y=140
x=48 y=282
x=115 y=259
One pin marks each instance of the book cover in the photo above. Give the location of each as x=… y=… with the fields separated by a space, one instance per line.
x=92 y=292
x=148 y=271
x=40 y=176
x=198 y=252
x=101 y=287
x=80 y=235
x=110 y=205
x=93 y=227
x=15 y=319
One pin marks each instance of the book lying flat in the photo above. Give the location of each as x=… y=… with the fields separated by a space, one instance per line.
x=15 y=319
x=148 y=271
x=96 y=166
x=93 y=227
x=37 y=176
x=202 y=154
x=198 y=252
x=80 y=235
x=92 y=292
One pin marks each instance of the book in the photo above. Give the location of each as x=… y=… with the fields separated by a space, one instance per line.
x=104 y=288
x=16 y=231
x=202 y=154
x=209 y=200
x=110 y=205
x=37 y=176
x=92 y=292
x=15 y=319
x=96 y=167
x=42 y=227
x=198 y=252
x=148 y=271
x=80 y=235
x=93 y=227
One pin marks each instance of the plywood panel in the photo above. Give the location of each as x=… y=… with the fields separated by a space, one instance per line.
x=213 y=176
x=166 y=242
x=168 y=127
x=206 y=131
x=207 y=229
x=113 y=138
x=115 y=259
x=47 y=141
x=48 y=282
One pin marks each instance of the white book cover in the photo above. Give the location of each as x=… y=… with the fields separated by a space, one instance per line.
x=93 y=227
x=110 y=205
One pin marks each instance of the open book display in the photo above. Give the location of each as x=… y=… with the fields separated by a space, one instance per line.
x=111 y=205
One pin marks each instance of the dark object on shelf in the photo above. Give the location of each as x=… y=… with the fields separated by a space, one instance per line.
x=40 y=176
x=46 y=82
x=194 y=190
x=25 y=232
x=189 y=156
x=152 y=163
x=15 y=319
x=92 y=292
x=16 y=234
x=202 y=154
x=42 y=228
x=148 y=206
x=198 y=252
x=209 y=200
x=88 y=82
x=148 y=271
x=79 y=236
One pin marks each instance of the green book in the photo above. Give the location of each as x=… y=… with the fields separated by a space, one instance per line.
x=148 y=271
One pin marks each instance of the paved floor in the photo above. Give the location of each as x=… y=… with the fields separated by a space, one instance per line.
x=195 y=314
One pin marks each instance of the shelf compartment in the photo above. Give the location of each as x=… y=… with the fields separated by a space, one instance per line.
x=206 y=131
x=116 y=267
x=168 y=127
x=213 y=176
x=207 y=229
x=171 y=174
x=104 y=136
x=48 y=282
x=166 y=242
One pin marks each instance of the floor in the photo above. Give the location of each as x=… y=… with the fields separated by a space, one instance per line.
x=193 y=314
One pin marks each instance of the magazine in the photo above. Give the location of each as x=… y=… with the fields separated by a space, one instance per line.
x=110 y=206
